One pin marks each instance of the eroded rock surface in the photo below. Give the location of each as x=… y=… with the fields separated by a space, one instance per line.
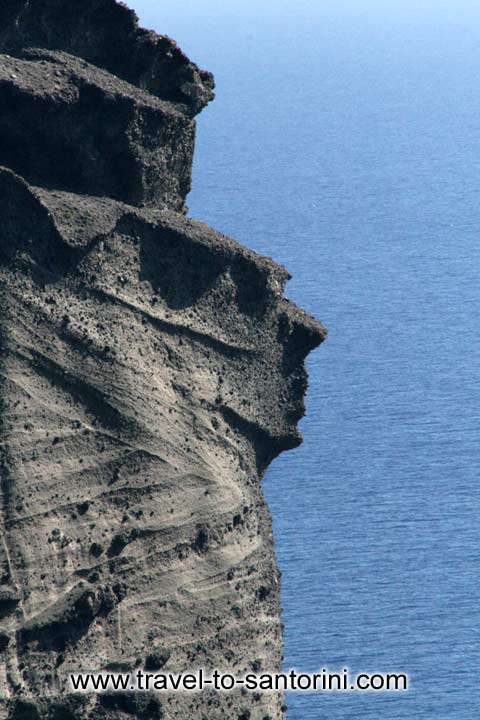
x=67 y=124
x=106 y=33
x=150 y=370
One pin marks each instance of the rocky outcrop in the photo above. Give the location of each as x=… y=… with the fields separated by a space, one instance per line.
x=106 y=34
x=67 y=124
x=150 y=370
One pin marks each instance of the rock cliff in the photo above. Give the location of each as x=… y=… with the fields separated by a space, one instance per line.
x=151 y=369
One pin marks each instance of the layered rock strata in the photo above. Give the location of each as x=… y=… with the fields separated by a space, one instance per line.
x=150 y=370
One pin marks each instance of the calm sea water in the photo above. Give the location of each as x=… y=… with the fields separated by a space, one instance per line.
x=345 y=143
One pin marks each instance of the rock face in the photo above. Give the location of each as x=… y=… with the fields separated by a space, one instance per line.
x=106 y=34
x=151 y=369
x=67 y=124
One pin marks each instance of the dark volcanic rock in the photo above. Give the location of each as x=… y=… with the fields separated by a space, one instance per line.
x=150 y=370
x=106 y=33
x=66 y=124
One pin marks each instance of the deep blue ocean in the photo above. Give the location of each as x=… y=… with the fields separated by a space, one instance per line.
x=345 y=143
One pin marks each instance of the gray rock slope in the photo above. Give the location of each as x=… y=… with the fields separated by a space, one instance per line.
x=150 y=370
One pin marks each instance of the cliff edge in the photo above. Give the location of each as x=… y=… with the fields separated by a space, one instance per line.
x=151 y=369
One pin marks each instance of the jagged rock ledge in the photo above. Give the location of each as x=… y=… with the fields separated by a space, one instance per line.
x=67 y=124
x=106 y=34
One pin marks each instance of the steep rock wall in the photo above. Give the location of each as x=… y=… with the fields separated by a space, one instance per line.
x=150 y=370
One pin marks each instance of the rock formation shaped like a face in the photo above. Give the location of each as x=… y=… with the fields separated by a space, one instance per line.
x=150 y=371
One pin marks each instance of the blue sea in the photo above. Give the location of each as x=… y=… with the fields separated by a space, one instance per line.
x=345 y=143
